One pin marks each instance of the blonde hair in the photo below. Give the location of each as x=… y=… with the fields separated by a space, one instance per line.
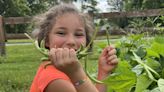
x=48 y=20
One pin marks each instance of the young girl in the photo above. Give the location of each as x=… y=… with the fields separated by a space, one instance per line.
x=64 y=30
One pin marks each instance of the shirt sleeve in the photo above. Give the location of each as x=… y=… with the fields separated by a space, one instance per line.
x=49 y=74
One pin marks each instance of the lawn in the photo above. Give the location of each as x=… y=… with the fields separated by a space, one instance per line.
x=18 y=68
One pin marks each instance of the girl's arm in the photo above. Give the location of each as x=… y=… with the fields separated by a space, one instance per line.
x=66 y=61
x=66 y=86
x=107 y=62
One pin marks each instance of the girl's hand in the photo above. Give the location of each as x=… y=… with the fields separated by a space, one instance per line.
x=65 y=60
x=107 y=62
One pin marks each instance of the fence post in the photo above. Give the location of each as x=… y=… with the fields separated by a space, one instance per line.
x=2 y=38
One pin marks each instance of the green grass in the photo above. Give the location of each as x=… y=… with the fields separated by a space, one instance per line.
x=18 y=68
x=18 y=41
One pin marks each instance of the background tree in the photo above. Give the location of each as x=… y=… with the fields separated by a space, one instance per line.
x=132 y=5
x=117 y=6
x=142 y=4
x=22 y=8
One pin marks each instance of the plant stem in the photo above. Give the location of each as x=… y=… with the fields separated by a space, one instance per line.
x=88 y=74
x=148 y=69
x=94 y=36
x=107 y=36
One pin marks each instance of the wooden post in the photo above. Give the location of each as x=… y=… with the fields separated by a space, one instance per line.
x=2 y=38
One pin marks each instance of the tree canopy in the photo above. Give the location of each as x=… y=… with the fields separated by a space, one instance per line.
x=17 y=8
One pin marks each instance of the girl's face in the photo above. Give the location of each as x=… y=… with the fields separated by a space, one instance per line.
x=67 y=32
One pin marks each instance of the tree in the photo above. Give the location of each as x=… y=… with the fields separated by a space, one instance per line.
x=22 y=8
x=117 y=5
x=88 y=5
x=130 y=5
x=13 y=8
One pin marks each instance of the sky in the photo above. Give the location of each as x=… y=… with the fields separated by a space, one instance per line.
x=102 y=5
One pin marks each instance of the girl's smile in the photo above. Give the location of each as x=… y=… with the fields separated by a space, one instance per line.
x=68 y=32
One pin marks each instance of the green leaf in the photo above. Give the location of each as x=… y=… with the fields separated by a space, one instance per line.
x=141 y=52
x=125 y=89
x=128 y=56
x=123 y=79
x=163 y=73
x=148 y=69
x=143 y=81
x=138 y=69
x=158 y=48
x=161 y=61
x=122 y=67
x=136 y=37
x=146 y=91
x=150 y=75
x=153 y=90
x=138 y=59
x=161 y=84
x=152 y=53
x=153 y=64
x=156 y=90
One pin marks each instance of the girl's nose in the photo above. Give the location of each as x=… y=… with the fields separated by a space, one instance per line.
x=70 y=41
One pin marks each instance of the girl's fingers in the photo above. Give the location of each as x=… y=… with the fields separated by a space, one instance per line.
x=111 y=52
x=63 y=57
x=110 y=47
x=52 y=54
x=65 y=53
x=111 y=57
x=113 y=62
x=59 y=56
x=72 y=54
x=104 y=52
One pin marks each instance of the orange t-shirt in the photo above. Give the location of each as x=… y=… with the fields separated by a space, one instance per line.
x=44 y=76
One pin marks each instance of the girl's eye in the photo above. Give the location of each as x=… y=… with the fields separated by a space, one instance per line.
x=60 y=33
x=79 y=34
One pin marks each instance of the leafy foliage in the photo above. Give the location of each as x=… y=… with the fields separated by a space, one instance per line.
x=22 y=8
x=135 y=5
x=17 y=8
x=142 y=4
x=140 y=24
x=140 y=68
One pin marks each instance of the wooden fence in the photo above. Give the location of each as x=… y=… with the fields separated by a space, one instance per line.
x=23 y=20
x=141 y=13
x=2 y=38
